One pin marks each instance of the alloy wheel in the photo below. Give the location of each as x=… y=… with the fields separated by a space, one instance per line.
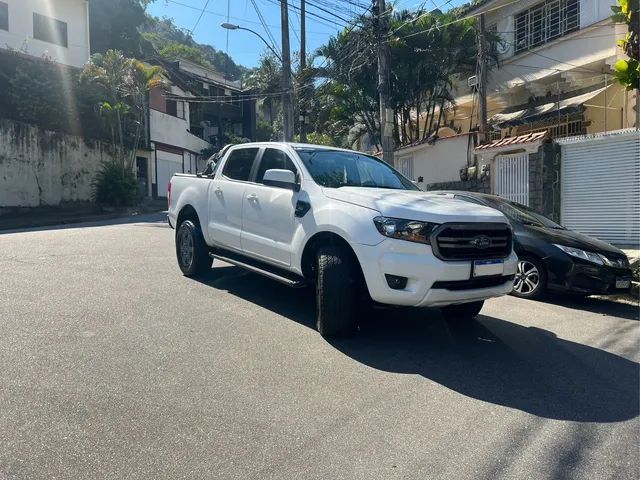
x=186 y=248
x=527 y=278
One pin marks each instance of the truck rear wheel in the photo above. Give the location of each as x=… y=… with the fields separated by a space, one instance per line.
x=191 y=250
x=465 y=311
x=335 y=292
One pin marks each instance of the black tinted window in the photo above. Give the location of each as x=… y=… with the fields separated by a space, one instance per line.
x=336 y=168
x=273 y=158
x=49 y=30
x=238 y=166
x=4 y=16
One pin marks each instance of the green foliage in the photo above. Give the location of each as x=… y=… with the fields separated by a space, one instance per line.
x=174 y=51
x=115 y=186
x=114 y=25
x=35 y=90
x=427 y=50
x=162 y=32
x=628 y=70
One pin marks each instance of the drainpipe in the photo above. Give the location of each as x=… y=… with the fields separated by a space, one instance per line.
x=87 y=29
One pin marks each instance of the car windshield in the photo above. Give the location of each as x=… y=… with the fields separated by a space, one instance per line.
x=335 y=169
x=521 y=214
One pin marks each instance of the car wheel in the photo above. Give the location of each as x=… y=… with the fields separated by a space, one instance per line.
x=464 y=311
x=335 y=293
x=191 y=250
x=531 y=278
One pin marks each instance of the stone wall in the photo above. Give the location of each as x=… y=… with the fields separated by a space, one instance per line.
x=45 y=168
x=480 y=186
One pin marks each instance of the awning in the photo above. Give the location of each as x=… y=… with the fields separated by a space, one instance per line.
x=533 y=114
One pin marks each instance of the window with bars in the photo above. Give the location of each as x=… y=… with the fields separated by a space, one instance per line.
x=558 y=127
x=545 y=22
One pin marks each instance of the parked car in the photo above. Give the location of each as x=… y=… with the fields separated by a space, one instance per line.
x=551 y=257
x=345 y=222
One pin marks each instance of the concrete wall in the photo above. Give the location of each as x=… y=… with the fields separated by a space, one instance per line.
x=39 y=167
x=173 y=131
x=20 y=35
x=440 y=162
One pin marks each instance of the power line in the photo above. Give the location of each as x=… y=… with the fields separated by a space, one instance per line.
x=200 y=17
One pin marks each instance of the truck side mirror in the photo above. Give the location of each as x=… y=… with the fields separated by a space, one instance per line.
x=280 y=178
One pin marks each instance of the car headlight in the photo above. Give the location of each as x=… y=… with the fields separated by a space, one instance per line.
x=582 y=254
x=410 y=230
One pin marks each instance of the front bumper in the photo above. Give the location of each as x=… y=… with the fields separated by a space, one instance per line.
x=568 y=275
x=431 y=281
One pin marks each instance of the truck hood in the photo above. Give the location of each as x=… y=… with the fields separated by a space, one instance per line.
x=415 y=205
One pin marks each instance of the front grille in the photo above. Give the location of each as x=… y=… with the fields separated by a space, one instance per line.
x=472 y=241
x=474 y=283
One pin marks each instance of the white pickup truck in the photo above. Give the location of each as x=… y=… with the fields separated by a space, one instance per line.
x=346 y=223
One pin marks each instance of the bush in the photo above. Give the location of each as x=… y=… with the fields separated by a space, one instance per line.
x=115 y=186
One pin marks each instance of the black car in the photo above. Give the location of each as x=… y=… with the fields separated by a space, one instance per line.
x=552 y=257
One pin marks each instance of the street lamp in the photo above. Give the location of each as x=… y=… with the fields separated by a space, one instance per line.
x=231 y=26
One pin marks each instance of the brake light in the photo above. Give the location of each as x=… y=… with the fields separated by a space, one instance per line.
x=169 y=194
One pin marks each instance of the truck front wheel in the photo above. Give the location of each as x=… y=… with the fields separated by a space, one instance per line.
x=335 y=292
x=465 y=311
x=191 y=250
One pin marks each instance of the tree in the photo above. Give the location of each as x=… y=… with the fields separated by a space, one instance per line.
x=175 y=51
x=124 y=83
x=265 y=80
x=427 y=49
x=628 y=70
x=114 y=25
x=161 y=32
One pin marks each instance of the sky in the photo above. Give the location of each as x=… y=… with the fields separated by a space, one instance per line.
x=244 y=47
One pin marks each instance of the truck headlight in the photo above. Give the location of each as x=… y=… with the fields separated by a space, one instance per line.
x=410 y=230
x=582 y=254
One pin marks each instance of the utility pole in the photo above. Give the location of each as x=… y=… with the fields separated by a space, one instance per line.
x=386 y=114
x=482 y=87
x=287 y=94
x=303 y=67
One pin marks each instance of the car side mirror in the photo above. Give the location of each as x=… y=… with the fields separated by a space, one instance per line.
x=276 y=177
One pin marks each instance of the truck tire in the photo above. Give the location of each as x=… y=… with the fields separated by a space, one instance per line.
x=464 y=311
x=191 y=250
x=335 y=293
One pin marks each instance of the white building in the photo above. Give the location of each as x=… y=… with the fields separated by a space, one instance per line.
x=555 y=70
x=174 y=148
x=53 y=29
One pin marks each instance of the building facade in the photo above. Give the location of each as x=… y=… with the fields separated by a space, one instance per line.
x=54 y=29
x=554 y=70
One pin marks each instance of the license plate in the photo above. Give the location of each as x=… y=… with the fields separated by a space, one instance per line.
x=621 y=283
x=488 y=268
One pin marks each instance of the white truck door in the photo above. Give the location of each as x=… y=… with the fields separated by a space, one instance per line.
x=226 y=195
x=268 y=220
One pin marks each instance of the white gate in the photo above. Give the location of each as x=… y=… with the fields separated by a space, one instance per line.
x=511 y=177
x=405 y=166
x=601 y=186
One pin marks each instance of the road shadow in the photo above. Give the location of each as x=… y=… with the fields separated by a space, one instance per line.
x=489 y=359
x=155 y=219
x=599 y=305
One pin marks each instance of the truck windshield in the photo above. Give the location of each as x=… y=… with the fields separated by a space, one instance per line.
x=335 y=169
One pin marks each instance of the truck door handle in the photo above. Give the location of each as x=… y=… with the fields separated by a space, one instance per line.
x=252 y=198
x=218 y=191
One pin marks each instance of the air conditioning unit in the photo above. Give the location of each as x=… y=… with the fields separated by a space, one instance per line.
x=472 y=81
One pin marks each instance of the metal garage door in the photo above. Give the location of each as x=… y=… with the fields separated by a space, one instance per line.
x=601 y=186
x=168 y=164
x=512 y=177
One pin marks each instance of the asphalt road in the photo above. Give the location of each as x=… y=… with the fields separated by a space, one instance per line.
x=115 y=366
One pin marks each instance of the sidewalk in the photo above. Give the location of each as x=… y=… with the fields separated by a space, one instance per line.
x=52 y=216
